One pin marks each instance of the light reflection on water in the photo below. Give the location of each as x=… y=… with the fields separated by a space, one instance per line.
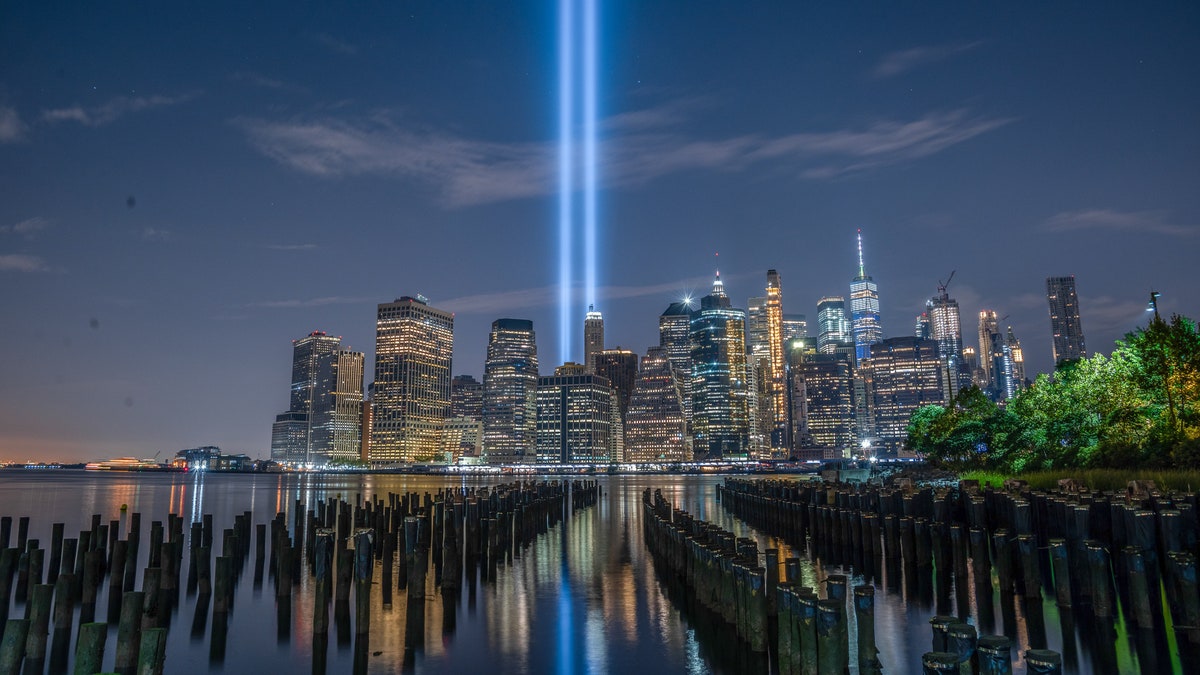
x=584 y=597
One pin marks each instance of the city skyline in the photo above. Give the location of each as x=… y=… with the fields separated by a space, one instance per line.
x=177 y=217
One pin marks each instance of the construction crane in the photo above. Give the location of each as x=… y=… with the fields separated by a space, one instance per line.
x=943 y=284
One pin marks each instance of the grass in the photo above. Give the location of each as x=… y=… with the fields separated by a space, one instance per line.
x=1097 y=479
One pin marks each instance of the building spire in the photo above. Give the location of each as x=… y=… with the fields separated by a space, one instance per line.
x=862 y=270
x=718 y=286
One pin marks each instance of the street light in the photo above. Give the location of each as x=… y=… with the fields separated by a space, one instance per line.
x=1153 y=306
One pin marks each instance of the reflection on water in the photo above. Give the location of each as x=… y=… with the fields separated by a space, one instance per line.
x=584 y=597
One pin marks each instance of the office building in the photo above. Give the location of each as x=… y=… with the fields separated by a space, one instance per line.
x=864 y=309
x=574 y=417
x=1018 y=360
x=1064 y=319
x=988 y=326
x=462 y=437
x=414 y=343
x=946 y=328
x=720 y=382
x=295 y=446
x=902 y=375
x=823 y=406
x=593 y=336
x=794 y=326
x=466 y=397
x=336 y=418
x=674 y=335
x=510 y=382
x=289 y=438
x=655 y=429
x=833 y=329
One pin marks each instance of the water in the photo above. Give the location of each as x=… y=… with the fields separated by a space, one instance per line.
x=585 y=597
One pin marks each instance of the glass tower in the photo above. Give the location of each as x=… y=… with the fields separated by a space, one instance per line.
x=833 y=329
x=510 y=381
x=655 y=430
x=720 y=387
x=337 y=407
x=574 y=416
x=864 y=309
x=1064 y=319
x=674 y=335
x=414 y=344
x=593 y=336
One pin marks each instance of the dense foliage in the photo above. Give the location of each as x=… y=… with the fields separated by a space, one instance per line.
x=1137 y=408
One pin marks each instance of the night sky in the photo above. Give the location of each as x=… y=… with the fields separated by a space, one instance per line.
x=188 y=188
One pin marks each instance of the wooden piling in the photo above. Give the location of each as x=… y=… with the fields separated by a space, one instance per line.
x=994 y=655
x=364 y=565
x=152 y=654
x=39 y=622
x=12 y=646
x=89 y=650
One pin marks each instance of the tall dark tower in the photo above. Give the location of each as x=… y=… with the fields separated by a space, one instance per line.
x=720 y=384
x=1064 y=319
x=510 y=381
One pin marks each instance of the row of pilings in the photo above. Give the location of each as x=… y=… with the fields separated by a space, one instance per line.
x=1034 y=541
x=457 y=533
x=807 y=634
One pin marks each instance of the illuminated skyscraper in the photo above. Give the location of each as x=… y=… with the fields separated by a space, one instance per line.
x=988 y=325
x=758 y=373
x=1002 y=385
x=574 y=416
x=923 y=327
x=674 y=335
x=946 y=324
x=902 y=375
x=1064 y=319
x=292 y=444
x=1018 y=359
x=510 y=382
x=337 y=408
x=413 y=347
x=620 y=366
x=823 y=409
x=864 y=309
x=466 y=397
x=794 y=326
x=593 y=336
x=655 y=430
x=832 y=326
x=720 y=387
x=778 y=369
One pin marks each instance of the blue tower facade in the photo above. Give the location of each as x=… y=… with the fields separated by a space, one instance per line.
x=864 y=309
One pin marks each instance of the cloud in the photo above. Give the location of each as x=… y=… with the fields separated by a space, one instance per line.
x=291 y=247
x=27 y=227
x=1117 y=221
x=643 y=147
x=896 y=63
x=334 y=44
x=17 y=262
x=12 y=129
x=155 y=234
x=113 y=110
x=1105 y=314
x=310 y=302
x=264 y=82
x=545 y=296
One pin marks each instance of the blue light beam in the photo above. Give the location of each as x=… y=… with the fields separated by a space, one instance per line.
x=566 y=183
x=589 y=149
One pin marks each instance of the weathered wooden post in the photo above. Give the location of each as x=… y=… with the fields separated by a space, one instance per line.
x=939 y=663
x=152 y=654
x=1043 y=662
x=864 y=616
x=364 y=565
x=129 y=632
x=831 y=656
x=12 y=646
x=994 y=652
x=89 y=650
x=39 y=624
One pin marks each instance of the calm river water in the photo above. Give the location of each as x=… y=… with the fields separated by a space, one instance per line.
x=584 y=598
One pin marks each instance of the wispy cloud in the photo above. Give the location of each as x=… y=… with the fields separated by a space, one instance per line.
x=26 y=228
x=899 y=62
x=113 y=110
x=644 y=145
x=1154 y=222
x=264 y=82
x=334 y=44
x=310 y=302
x=18 y=262
x=155 y=234
x=545 y=296
x=12 y=129
x=1105 y=313
x=291 y=247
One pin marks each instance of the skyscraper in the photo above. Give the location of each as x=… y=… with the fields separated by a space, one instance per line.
x=510 y=382
x=414 y=344
x=674 y=335
x=1064 y=319
x=1002 y=385
x=336 y=419
x=720 y=387
x=593 y=336
x=988 y=325
x=291 y=435
x=946 y=324
x=1018 y=360
x=923 y=326
x=655 y=429
x=902 y=374
x=620 y=367
x=574 y=416
x=823 y=409
x=794 y=326
x=778 y=368
x=864 y=309
x=833 y=330
x=466 y=397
